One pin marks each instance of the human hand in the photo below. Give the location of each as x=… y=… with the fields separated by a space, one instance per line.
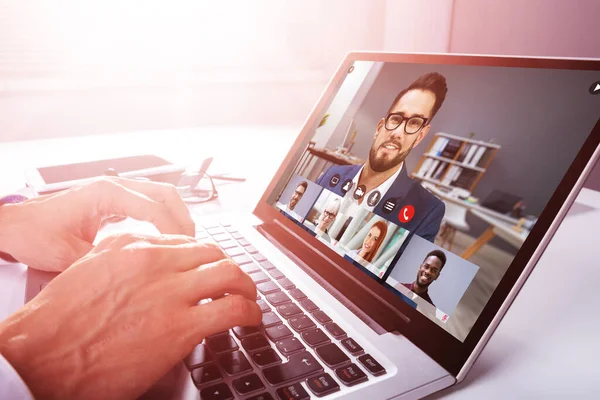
x=53 y=231
x=124 y=315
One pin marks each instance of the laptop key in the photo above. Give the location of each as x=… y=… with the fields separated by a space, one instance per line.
x=322 y=385
x=276 y=274
x=206 y=374
x=331 y=355
x=351 y=375
x=198 y=357
x=259 y=257
x=262 y=396
x=247 y=384
x=286 y=283
x=221 y=344
x=255 y=342
x=242 y=331
x=335 y=330
x=210 y=225
x=268 y=265
x=241 y=259
x=314 y=337
x=215 y=231
x=260 y=277
x=292 y=392
x=278 y=298
x=270 y=319
x=308 y=305
x=320 y=316
x=251 y=250
x=234 y=363
x=288 y=310
x=278 y=332
x=235 y=234
x=221 y=237
x=371 y=365
x=297 y=294
x=216 y=392
x=264 y=307
x=299 y=366
x=289 y=345
x=266 y=357
x=250 y=268
x=234 y=251
x=268 y=287
x=301 y=323
x=228 y=244
x=352 y=347
x=243 y=242
x=201 y=235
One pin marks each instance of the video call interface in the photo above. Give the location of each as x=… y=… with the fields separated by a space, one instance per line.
x=429 y=178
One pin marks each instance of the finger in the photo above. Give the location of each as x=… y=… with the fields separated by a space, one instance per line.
x=223 y=314
x=123 y=239
x=166 y=194
x=189 y=256
x=215 y=279
x=117 y=199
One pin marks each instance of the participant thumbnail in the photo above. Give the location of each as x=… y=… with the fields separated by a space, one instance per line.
x=323 y=215
x=298 y=197
x=433 y=277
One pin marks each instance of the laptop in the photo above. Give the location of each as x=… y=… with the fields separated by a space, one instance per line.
x=359 y=298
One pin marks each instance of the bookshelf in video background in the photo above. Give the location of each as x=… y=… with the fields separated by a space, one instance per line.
x=453 y=161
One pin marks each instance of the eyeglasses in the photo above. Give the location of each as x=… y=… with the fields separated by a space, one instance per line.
x=412 y=125
x=329 y=215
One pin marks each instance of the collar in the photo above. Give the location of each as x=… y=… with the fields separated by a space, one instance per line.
x=382 y=189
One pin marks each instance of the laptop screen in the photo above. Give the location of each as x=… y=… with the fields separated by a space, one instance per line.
x=429 y=178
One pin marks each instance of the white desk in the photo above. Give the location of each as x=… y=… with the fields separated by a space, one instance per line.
x=546 y=346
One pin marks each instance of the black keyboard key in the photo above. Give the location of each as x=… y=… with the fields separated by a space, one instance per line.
x=299 y=365
x=234 y=363
x=221 y=344
x=251 y=250
x=215 y=231
x=314 y=337
x=242 y=331
x=268 y=287
x=228 y=244
x=292 y=392
x=250 y=268
x=276 y=274
x=288 y=310
x=351 y=375
x=266 y=357
x=216 y=392
x=236 y=235
x=371 y=365
x=289 y=345
x=264 y=307
x=259 y=257
x=234 y=251
x=331 y=355
x=243 y=242
x=320 y=316
x=352 y=347
x=270 y=319
x=335 y=330
x=301 y=323
x=278 y=332
x=268 y=265
x=308 y=305
x=255 y=342
x=247 y=384
x=198 y=357
x=206 y=374
x=286 y=283
x=262 y=396
x=221 y=237
x=259 y=277
x=278 y=298
x=297 y=294
x=322 y=385
x=241 y=259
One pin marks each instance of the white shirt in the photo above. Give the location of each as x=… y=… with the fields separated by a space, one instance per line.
x=382 y=189
x=11 y=385
x=293 y=214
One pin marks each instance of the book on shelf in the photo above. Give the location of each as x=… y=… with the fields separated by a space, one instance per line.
x=472 y=149
x=438 y=146
x=450 y=149
x=432 y=168
x=439 y=172
x=477 y=156
x=463 y=152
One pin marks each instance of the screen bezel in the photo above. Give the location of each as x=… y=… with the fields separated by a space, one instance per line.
x=444 y=348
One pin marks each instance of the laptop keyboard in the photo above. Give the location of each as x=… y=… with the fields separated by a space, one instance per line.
x=270 y=361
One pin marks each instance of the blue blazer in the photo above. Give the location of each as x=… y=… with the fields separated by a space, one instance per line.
x=429 y=210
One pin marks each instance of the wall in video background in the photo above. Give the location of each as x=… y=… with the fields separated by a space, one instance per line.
x=454 y=279
x=307 y=200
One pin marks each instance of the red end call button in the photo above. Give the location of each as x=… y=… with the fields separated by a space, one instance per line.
x=406 y=214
